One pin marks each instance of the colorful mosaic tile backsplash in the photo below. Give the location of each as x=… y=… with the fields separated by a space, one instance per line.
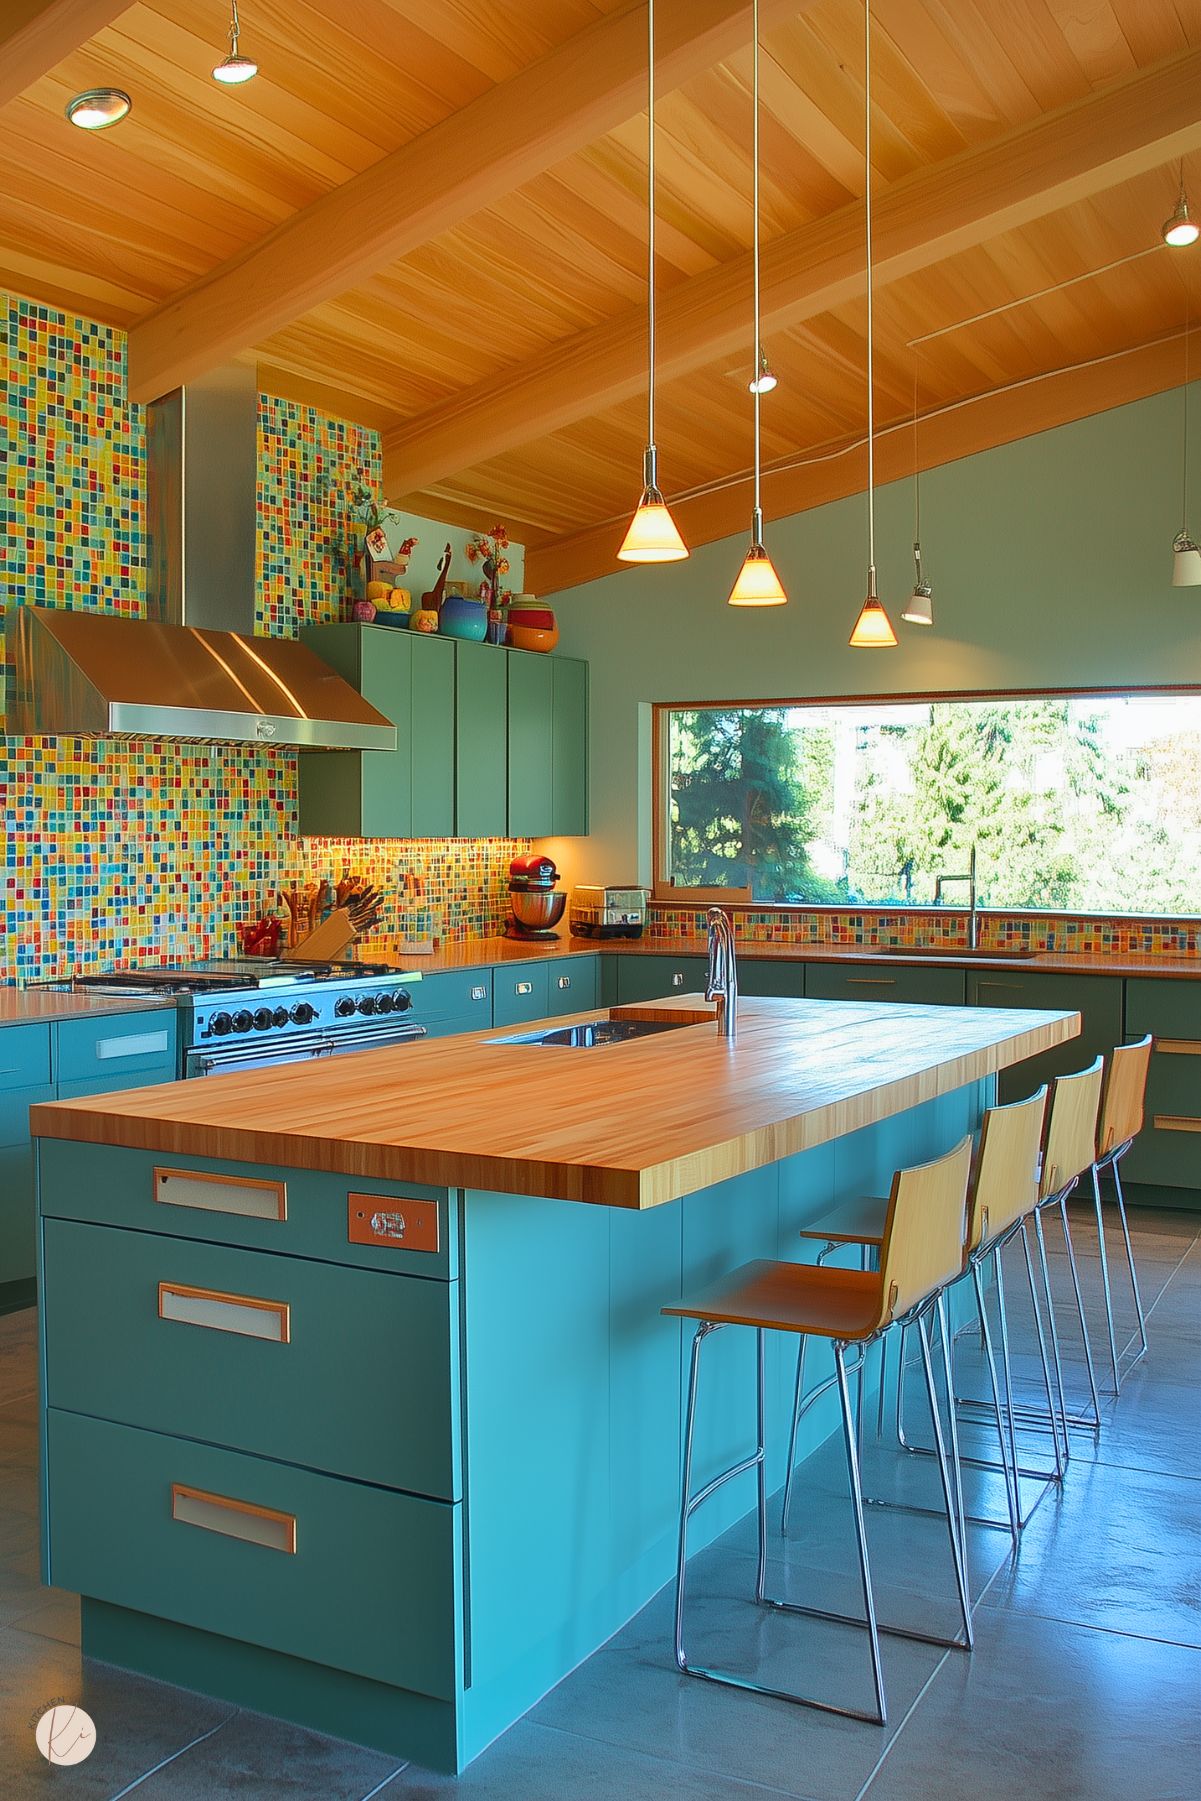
x=122 y=853
x=868 y=929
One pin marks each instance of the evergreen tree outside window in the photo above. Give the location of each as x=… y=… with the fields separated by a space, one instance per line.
x=1079 y=803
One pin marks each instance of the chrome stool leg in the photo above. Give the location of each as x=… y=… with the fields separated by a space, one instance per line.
x=1052 y=1331
x=1138 y=1299
x=1105 y=1288
x=1088 y=1354
x=991 y=1362
x=958 y=1552
x=1053 y=1418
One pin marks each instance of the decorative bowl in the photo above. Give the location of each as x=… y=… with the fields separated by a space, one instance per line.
x=528 y=637
x=462 y=617
x=541 y=618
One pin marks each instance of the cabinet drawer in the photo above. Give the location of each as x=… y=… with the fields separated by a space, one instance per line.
x=756 y=975
x=650 y=978
x=456 y=995
x=199 y=1535
x=1168 y=1149
x=116 y=1046
x=520 y=991
x=573 y=985
x=1166 y=1008
x=302 y=1213
x=345 y=1370
x=1097 y=999
x=24 y=1056
x=884 y=982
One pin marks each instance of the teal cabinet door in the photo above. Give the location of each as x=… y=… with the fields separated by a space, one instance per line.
x=1098 y=1000
x=24 y=1056
x=759 y=976
x=432 y=734
x=1167 y=1152
x=17 y=1200
x=650 y=978
x=569 y=747
x=454 y=1001
x=531 y=744
x=920 y=986
x=481 y=741
x=121 y=1050
x=574 y=985
x=521 y=991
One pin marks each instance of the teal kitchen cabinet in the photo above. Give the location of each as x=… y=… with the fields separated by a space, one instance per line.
x=1167 y=1152
x=1098 y=1000
x=548 y=746
x=651 y=977
x=761 y=975
x=17 y=1095
x=574 y=985
x=458 y=1000
x=405 y=793
x=918 y=985
x=122 y=1050
x=481 y=741
x=521 y=991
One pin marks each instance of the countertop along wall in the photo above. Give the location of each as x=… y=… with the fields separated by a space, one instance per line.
x=1051 y=564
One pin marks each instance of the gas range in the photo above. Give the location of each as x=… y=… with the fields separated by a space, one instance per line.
x=245 y=1013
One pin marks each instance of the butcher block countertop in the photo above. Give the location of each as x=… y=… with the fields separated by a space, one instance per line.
x=633 y=1124
x=35 y=1006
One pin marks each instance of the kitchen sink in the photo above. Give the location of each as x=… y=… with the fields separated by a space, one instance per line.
x=595 y=1032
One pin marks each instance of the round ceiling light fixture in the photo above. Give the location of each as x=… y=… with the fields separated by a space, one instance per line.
x=235 y=68
x=98 y=108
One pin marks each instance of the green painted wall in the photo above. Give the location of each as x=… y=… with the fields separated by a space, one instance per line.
x=1050 y=560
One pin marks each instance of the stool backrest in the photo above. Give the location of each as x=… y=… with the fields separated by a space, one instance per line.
x=1005 y=1182
x=1122 y=1094
x=922 y=1248
x=1071 y=1128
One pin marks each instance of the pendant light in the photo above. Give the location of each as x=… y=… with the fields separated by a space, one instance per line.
x=235 y=68
x=98 y=108
x=1186 y=557
x=652 y=536
x=873 y=628
x=919 y=608
x=757 y=584
x=1180 y=230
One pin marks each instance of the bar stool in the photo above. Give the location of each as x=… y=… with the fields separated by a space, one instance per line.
x=1122 y=1100
x=921 y=1251
x=1002 y=1194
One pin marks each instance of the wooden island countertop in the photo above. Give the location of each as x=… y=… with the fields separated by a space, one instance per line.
x=633 y=1124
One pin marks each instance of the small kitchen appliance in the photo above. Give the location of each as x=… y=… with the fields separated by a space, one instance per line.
x=535 y=904
x=608 y=912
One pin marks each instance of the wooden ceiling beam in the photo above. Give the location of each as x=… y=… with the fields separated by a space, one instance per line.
x=35 y=36
x=514 y=132
x=1037 y=169
x=980 y=422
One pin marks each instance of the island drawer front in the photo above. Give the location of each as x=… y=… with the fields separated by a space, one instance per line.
x=344 y=1370
x=458 y=994
x=24 y=1057
x=117 y=1045
x=1168 y=1009
x=520 y=992
x=112 y=1185
x=884 y=982
x=373 y=1585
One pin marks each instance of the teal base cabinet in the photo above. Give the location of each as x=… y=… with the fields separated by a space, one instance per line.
x=1167 y=1151
x=408 y=1546
x=1098 y=1000
x=922 y=985
x=649 y=978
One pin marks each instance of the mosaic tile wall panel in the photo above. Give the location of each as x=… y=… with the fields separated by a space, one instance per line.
x=998 y=931
x=119 y=853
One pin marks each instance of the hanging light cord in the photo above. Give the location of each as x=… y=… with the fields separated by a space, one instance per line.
x=650 y=241
x=1188 y=325
x=235 y=30
x=757 y=516
x=917 y=482
x=871 y=405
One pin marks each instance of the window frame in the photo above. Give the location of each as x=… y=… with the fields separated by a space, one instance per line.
x=737 y=900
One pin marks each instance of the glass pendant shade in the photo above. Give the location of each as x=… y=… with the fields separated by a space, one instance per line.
x=652 y=536
x=757 y=584
x=233 y=70
x=873 y=628
x=98 y=108
x=1186 y=562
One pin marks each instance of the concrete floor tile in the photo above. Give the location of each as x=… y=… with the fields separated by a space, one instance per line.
x=55 y=1614
x=267 y=1760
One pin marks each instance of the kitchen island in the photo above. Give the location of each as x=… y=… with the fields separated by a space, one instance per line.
x=359 y=1407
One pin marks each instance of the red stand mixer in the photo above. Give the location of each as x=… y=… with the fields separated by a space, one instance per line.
x=535 y=904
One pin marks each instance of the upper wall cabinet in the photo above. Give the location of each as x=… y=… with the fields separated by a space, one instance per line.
x=490 y=743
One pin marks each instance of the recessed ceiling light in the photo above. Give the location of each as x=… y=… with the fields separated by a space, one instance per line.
x=235 y=68
x=98 y=108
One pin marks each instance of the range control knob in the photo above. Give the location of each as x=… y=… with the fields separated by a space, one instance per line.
x=303 y=1013
x=263 y=1018
x=242 y=1020
x=403 y=1001
x=280 y=1017
x=345 y=1007
x=384 y=1003
x=221 y=1023
x=367 y=1004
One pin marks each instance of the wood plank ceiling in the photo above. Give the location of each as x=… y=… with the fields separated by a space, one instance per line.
x=498 y=145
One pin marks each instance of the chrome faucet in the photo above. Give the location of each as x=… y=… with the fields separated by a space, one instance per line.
x=973 y=918
x=722 y=985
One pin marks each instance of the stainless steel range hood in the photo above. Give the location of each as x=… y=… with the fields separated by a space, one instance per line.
x=194 y=668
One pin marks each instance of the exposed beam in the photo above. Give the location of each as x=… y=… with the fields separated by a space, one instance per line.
x=980 y=423
x=1060 y=159
x=523 y=126
x=35 y=35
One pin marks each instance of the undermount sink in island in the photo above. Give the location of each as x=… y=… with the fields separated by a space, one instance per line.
x=385 y=1434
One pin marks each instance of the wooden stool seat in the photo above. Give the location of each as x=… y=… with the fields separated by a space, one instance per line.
x=791 y=1297
x=858 y=1221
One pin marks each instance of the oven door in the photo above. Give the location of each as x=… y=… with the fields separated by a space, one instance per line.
x=301 y=1047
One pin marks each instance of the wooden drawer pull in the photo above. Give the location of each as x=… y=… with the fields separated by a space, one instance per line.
x=524 y=988
x=234 y=1519
x=1179 y=1047
x=141 y=1044
x=1176 y=1122
x=871 y=981
x=247 y=1195
x=241 y=1313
